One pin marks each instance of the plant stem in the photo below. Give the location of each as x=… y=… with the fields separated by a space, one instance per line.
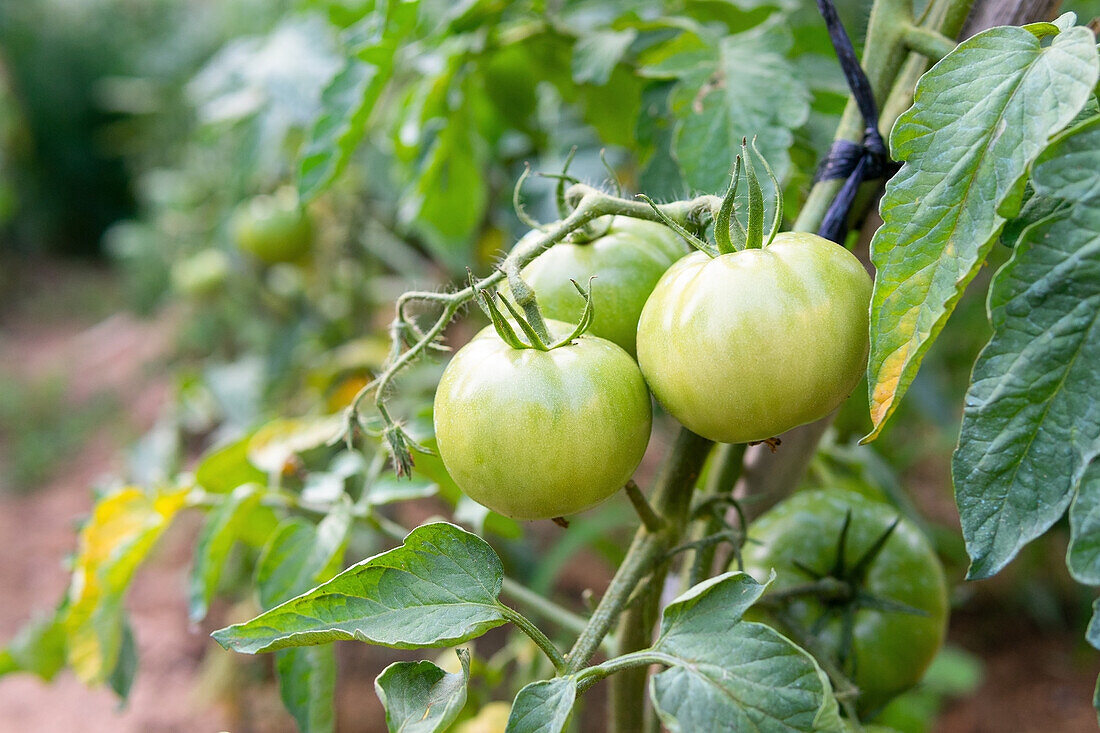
x=536 y=635
x=649 y=518
x=672 y=501
x=634 y=660
x=725 y=469
x=538 y=605
x=929 y=43
x=671 y=496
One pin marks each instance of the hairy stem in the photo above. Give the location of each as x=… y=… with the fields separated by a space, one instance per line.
x=724 y=471
x=671 y=495
x=536 y=635
x=672 y=501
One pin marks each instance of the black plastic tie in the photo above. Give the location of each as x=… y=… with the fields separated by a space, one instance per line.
x=852 y=162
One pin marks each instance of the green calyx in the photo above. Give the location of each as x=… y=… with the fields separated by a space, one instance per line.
x=846 y=592
x=527 y=315
x=730 y=235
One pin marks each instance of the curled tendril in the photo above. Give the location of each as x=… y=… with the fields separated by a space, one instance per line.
x=517 y=202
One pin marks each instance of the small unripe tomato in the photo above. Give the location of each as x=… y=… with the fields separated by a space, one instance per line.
x=273 y=228
x=541 y=434
x=201 y=274
x=627 y=262
x=750 y=344
x=891 y=647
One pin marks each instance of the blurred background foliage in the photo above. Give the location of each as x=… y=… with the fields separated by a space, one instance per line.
x=133 y=131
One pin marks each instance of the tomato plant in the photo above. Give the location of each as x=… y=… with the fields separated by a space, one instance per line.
x=750 y=344
x=627 y=261
x=888 y=618
x=405 y=122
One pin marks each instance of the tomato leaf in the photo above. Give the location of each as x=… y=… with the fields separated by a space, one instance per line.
x=307 y=682
x=222 y=469
x=733 y=674
x=346 y=104
x=752 y=90
x=1083 y=556
x=595 y=55
x=979 y=117
x=121 y=679
x=122 y=530
x=238 y=513
x=438 y=589
x=1031 y=425
x=419 y=697
x=543 y=707
x=299 y=556
x=38 y=647
x=450 y=196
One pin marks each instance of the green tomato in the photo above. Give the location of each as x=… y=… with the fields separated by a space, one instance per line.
x=541 y=434
x=201 y=274
x=273 y=228
x=626 y=262
x=891 y=648
x=748 y=345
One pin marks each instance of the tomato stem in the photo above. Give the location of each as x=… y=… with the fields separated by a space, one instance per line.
x=536 y=635
x=671 y=498
x=649 y=518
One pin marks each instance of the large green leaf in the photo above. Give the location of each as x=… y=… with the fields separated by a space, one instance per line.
x=734 y=675
x=979 y=117
x=238 y=513
x=543 y=707
x=752 y=90
x=121 y=532
x=419 y=697
x=1032 y=422
x=438 y=589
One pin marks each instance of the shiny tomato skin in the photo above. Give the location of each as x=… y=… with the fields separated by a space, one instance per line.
x=541 y=434
x=626 y=262
x=891 y=649
x=748 y=345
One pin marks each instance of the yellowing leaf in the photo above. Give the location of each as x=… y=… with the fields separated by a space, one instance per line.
x=122 y=530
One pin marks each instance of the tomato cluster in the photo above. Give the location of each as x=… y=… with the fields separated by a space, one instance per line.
x=739 y=347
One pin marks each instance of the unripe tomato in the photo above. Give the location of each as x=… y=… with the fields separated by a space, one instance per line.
x=627 y=262
x=747 y=345
x=891 y=649
x=541 y=434
x=203 y=273
x=273 y=228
